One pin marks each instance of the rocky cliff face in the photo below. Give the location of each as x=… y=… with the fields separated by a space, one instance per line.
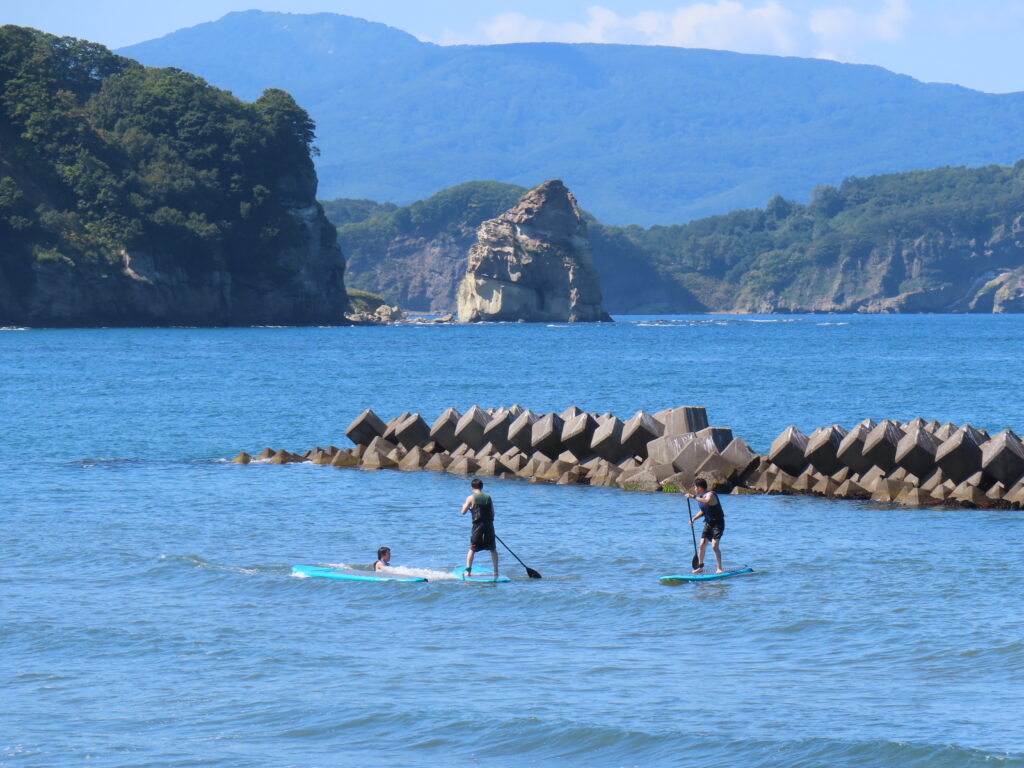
x=533 y=263
x=937 y=273
x=302 y=285
x=420 y=273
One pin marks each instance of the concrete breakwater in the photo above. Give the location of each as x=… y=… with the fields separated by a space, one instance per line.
x=912 y=463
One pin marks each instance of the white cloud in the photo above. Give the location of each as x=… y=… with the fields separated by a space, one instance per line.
x=769 y=27
x=842 y=28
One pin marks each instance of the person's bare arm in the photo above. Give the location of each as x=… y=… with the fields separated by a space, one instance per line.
x=467 y=504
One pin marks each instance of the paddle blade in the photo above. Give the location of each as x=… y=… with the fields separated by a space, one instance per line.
x=695 y=563
x=532 y=573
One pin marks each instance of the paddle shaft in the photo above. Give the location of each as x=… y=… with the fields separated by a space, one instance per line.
x=695 y=563
x=529 y=571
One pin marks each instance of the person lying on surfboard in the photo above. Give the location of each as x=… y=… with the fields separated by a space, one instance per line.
x=482 y=537
x=714 y=521
x=383 y=559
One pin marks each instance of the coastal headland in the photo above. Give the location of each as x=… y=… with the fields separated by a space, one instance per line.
x=915 y=463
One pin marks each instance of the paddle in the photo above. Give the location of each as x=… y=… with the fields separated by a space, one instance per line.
x=529 y=571
x=695 y=563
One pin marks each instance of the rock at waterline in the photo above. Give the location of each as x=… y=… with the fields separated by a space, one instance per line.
x=533 y=263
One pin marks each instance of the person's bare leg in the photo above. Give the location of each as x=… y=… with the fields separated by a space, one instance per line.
x=469 y=562
x=494 y=561
x=700 y=556
x=718 y=555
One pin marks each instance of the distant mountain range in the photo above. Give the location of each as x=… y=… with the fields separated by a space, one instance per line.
x=641 y=134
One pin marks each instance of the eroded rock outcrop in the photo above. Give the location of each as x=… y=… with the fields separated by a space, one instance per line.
x=533 y=263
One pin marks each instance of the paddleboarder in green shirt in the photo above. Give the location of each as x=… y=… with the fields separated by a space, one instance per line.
x=482 y=536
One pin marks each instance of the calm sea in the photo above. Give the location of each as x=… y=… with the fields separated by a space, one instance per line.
x=149 y=617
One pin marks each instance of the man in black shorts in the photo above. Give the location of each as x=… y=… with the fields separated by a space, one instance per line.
x=482 y=535
x=714 y=521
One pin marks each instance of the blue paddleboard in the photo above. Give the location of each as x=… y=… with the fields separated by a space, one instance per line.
x=346 y=575
x=480 y=575
x=678 y=579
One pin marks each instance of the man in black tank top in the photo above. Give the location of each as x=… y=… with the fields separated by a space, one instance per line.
x=714 y=521
x=482 y=536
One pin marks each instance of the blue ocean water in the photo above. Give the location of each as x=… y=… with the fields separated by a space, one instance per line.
x=150 y=618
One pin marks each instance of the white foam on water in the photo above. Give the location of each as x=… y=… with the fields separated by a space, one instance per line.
x=424 y=573
x=431 y=574
x=13 y=328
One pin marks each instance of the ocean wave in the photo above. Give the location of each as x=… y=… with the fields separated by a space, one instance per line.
x=195 y=561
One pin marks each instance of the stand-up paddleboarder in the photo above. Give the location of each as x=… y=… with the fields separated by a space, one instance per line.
x=714 y=521
x=482 y=535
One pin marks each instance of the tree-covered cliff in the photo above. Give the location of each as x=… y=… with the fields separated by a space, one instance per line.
x=132 y=195
x=944 y=240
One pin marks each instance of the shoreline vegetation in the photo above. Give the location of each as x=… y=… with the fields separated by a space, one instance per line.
x=136 y=196
x=939 y=241
x=916 y=463
x=133 y=196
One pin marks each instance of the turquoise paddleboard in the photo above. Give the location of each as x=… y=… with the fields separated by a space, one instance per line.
x=480 y=575
x=679 y=579
x=346 y=575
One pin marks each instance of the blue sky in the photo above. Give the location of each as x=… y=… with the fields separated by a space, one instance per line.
x=974 y=43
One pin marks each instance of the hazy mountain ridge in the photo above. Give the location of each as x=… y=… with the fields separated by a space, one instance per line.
x=640 y=133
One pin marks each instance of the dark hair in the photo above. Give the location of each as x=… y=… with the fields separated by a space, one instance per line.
x=477 y=483
x=700 y=482
x=381 y=551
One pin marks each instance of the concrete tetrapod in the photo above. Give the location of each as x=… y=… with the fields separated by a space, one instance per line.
x=520 y=431
x=740 y=455
x=607 y=440
x=684 y=419
x=880 y=445
x=959 y=456
x=823 y=449
x=496 y=431
x=851 y=449
x=667 y=448
x=638 y=431
x=915 y=451
x=578 y=433
x=392 y=426
x=412 y=431
x=366 y=426
x=470 y=429
x=1002 y=458
x=443 y=430
x=787 y=451
x=718 y=437
x=546 y=436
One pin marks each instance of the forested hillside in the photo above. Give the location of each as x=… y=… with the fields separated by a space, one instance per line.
x=641 y=134
x=138 y=195
x=949 y=239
